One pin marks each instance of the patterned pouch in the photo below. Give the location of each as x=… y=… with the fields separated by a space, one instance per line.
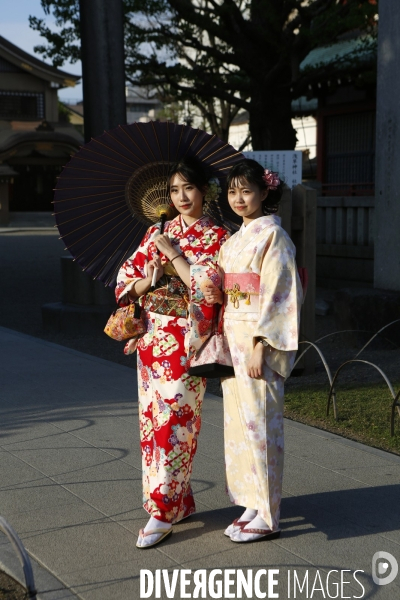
x=126 y=323
x=214 y=357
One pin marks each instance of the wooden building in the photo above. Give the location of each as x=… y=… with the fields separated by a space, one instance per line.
x=345 y=109
x=35 y=142
x=343 y=87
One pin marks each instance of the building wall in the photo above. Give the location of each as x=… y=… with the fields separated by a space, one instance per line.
x=346 y=149
x=24 y=82
x=36 y=152
x=238 y=134
x=142 y=116
x=306 y=132
x=51 y=104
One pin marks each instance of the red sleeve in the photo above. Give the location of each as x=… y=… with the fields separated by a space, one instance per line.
x=135 y=267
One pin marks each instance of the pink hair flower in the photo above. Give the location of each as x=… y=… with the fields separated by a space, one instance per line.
x=271 y=179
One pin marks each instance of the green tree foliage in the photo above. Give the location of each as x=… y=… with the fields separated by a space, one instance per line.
x=63 y=44
x=64 y=116
x=222 y=55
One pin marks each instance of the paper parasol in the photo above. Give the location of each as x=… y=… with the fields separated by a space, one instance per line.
x=115 y=187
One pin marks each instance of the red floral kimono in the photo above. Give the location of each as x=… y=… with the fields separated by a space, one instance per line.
x=170 y=400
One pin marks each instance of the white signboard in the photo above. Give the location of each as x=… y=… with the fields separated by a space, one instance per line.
x=288 y=163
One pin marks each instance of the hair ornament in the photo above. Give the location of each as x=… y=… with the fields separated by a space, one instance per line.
x=271 y=179
x=213 y=191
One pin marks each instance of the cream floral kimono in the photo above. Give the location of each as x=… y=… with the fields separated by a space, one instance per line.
x=267 y=306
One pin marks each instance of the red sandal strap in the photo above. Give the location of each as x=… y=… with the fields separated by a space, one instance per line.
x=240 y=524
x=260 y=531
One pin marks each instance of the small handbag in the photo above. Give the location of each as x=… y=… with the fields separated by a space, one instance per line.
x=125 y=323
x=214 y=358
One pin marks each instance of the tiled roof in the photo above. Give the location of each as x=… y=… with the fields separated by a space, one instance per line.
x=35 y=66
x=344 y=52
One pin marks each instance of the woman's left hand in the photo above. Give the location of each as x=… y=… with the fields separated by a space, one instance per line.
x=255 y=364
x=213 y=295
x=164 y=245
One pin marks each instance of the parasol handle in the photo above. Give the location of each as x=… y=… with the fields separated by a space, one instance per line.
x=155 y=272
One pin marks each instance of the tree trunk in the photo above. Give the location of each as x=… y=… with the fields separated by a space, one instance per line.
x=103 y=69
x=270 y=120
x=219 y=123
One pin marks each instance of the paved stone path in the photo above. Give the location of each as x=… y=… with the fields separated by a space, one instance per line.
x=70 y=484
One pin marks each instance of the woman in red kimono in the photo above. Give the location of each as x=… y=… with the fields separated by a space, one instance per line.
x=178 y=319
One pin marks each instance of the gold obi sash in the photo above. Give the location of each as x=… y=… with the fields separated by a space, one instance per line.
x=169 y=299
x=242 y=292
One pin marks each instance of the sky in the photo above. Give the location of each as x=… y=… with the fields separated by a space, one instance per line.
x=14 y=26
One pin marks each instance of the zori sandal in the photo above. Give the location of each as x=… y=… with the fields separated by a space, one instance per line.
x=163 y=533
x=254 y=535
x=235 y=526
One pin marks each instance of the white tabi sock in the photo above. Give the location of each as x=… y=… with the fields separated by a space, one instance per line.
x=248 y=514
x=256 y=523
x=152 y=525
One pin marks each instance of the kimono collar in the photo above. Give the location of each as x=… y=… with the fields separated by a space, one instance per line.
x=259 y=224
x=246 y=237
x=199 y=226
x=177 y=228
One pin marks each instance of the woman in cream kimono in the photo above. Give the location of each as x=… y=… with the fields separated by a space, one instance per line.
x=262 y=298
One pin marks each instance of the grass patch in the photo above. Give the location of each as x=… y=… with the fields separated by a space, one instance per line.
x=363 y=412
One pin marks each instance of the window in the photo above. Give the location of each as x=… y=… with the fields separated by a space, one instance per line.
x=140 y=107
x=21 y=105
x=350 y=148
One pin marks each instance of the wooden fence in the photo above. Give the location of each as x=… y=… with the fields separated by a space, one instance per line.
x=345 y=241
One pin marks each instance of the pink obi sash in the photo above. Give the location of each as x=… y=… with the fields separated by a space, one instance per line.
x=241 y=292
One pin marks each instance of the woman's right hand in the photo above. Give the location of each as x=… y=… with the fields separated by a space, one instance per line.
x=155 y=263
x=142 y=286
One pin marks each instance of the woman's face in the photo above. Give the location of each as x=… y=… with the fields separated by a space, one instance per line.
x=245 y=199
x=187 y=198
